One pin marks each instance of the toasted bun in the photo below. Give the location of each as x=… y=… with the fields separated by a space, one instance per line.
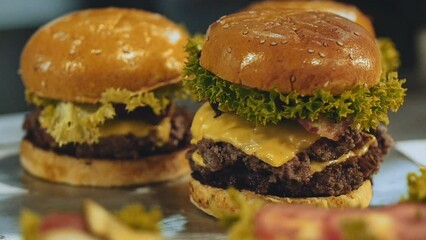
x=292 y=50
x=345 y=10
x=214 y=201
x=80 y=55
x=101 y=173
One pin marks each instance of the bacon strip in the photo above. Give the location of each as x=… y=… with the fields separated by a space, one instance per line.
x=326 y=128
x=57 y=221
x=401 y=221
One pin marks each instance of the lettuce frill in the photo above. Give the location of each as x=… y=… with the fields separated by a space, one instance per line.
x=366 y=107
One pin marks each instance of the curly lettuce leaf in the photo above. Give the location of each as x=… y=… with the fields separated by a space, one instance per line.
x=241 y=224
x=138 y=218
x=70 y=122
x=416 y=187
x=134 y=100
x=29 y=222
x=67 y=122
x=367 y=108
x=389 y=55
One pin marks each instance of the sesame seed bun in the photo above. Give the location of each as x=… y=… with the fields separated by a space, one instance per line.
x=348 y=11
x=292 y=50
x=78 y=56
x=216 y=201
x=58 y=168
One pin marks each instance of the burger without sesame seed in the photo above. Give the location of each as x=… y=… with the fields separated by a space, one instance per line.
x=103 y=82
x=295 y=106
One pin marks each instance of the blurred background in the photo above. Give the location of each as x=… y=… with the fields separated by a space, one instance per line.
x=403 y=21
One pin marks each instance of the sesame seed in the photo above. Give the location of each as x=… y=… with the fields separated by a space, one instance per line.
x=262 y=41
x=293 y=28
x=96 y=51
x=310 y=50
x=321 y=54
x=339 y=43
x=274 y=43
x=257 y=37
x=351 y=56
x=325 y=44
x=226 y=26
x=245 y=32
x=284 y=42
x=229 y=50
x=326 y=83
x=293 y=78
x=356 y=33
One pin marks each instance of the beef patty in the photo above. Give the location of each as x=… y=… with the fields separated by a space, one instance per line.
x=227 y=166
x=129 y=146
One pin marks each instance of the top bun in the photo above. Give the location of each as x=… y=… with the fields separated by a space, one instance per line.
x=78 y=56
x=345 y=10
x=291 y=50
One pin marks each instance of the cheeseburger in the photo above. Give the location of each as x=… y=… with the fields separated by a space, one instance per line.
x=295 y=106
x=103 y=82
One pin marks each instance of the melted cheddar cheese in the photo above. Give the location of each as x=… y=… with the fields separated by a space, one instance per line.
x=136 y=127
x=273 y=144
x=320 y=166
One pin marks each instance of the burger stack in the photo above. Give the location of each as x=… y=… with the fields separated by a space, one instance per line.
x=295 y=107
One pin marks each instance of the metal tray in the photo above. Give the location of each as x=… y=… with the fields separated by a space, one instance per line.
x=182 y=220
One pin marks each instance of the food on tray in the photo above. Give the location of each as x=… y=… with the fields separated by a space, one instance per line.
x=132 y=222
x=103 y=83
x=276 y=221
x=295 y=109
x=399 y=221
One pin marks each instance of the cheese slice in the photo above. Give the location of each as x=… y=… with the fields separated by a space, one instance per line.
x=137 y=127
x=196 y=157
x=320 y=166
x=273 y=144
x=124 y=126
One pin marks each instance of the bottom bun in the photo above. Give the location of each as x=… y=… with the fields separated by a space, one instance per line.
x=217 y=201
x=54 y=167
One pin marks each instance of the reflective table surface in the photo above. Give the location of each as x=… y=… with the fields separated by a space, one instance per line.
x=182 y=220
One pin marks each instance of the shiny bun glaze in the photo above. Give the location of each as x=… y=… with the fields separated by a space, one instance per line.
x=78 y=56
x=345 y=10
x=291 y=50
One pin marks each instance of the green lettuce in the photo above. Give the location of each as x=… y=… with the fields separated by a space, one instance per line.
x=416 y=187
x=367 y=108
x=241 y=224
x=389 y=55
x=138 y=218
x=69 y=122
x=29 y=223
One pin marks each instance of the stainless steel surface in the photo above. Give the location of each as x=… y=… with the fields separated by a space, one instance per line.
x=182 y=220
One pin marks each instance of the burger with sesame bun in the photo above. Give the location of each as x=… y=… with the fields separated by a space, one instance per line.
x=103 y=83
x=294 y=113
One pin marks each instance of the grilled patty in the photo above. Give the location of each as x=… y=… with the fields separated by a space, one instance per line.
x=228 y=166
x=129 y=146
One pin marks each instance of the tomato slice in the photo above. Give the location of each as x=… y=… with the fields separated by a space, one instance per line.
x=57 y=221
